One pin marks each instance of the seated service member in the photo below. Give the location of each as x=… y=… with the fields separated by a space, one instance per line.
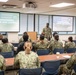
x=38 y=39
x=55 y=33
x=27 y=58
x=2 y=63
x=20 y=46
x=69 y=44
x=42 y=44
x=67 y=69
x=55 y=43
x=21 y=39
x=6 y=46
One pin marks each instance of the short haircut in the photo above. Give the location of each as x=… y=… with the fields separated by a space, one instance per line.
x=70 y=38
x=47 y=23
x=54 y=33
x=28 y=43
x=5 y=40
x=25 y=33
x=41 y=37
x=56 y=37
x=25 y=37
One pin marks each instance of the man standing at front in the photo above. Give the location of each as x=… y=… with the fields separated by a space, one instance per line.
x=27 y=58
x=47 y=31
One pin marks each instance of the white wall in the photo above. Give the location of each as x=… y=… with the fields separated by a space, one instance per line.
x=14 y=37
x=65 y=37
x=62 y=37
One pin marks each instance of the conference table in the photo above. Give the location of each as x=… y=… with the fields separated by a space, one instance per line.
x=10 y=61
x=55 y=57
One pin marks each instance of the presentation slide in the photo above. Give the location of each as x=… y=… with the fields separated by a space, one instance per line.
x=62 y=23
x=9 y=22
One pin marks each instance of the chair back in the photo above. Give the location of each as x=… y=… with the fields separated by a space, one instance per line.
x=51 y=67
x=58 y=50
x=71 y=50
x=1 y=72
x=36 y=71
x=7 y=54
x=43 y=52
x=75 y=67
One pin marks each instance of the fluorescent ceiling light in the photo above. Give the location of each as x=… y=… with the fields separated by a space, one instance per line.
x=3 y=0
x=23 y=6
x=62 y=5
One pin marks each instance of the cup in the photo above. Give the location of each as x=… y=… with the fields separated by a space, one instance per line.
x=15 y=48
x=57 y=53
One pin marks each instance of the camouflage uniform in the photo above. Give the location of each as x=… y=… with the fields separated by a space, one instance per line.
x=2 y=63
x=55 y=44
x=42 y=45
x=1 y=42
x=45 y=40
x=27 y=60
x=52 y=39
x=21 y=39
x=7 y=47
x=67 y=68
x=47 y=32
x=69 y=45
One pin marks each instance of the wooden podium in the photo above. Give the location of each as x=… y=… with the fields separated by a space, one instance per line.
x=1 y=36
x=32 y=35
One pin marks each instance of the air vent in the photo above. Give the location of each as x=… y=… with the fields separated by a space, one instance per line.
x=9 y=6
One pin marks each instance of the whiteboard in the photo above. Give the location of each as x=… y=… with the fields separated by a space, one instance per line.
x=62 y=23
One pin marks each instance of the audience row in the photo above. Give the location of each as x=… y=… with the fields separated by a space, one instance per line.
x=25 y=58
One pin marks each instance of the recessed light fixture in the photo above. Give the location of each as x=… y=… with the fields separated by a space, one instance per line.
x=3 y=0
x=62 y=5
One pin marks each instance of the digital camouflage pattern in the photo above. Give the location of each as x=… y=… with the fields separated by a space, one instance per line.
x=67 y=68
x=55 y=44
x=27 y=60
x=69 y=45
x=2 y=63
x=7 y=47
x=42 y=45
x=47 y=32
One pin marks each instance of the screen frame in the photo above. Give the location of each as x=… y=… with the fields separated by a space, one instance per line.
x=19 y=20
x=62 y=16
